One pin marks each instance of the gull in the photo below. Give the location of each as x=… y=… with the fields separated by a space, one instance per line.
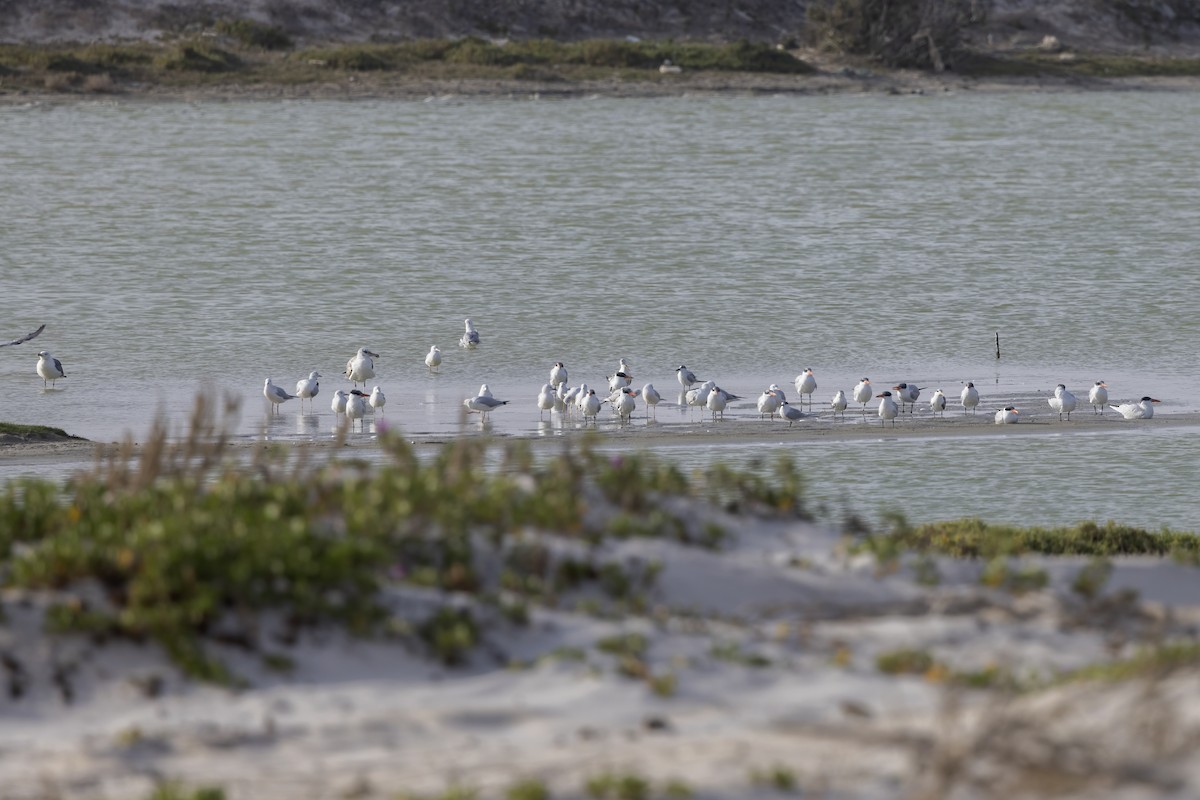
x=1098 y=396
x=570 y=397
x=470 y=337
x=887 y=408
x=545 y=399
x=624 y=366
x=768 y=403
x=590 y=406
x=774 y=387
x=484 y=404
x=361 y=367
x=937 y=403
x=1063 y=402
x=806 y=384
x=686 y=376
x=376 y=400
x=652 y=397
x=484 y=391
x=24 y=338
x=908 y=393
x=433 y=359
x=716 y=401
x=789 y=412
x=581 y=397
x=699 y=395
x=276 y=394
x=1142 y=409
x=340 y=398
x=838 y=403
x=560 y=399
x=969 y=397
x=50 y=368
x=356 y=406
x=862 y=393
x=626 y=404
x=307 y=388
x=558 y=374
x=1007 y=416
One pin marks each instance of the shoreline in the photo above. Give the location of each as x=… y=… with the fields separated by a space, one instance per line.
x=839 y=81
x=655 y=436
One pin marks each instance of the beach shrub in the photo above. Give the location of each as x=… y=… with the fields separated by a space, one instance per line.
x=197 y=57
x=905 y=661
x=527 y=789
x=777 y=776
x=921 y=34
x=254 y=34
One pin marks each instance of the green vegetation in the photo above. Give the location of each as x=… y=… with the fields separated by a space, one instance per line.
x=776 y=776
x=37 y=432
x=922 y=34
x=172 y=790
x=191 y=548
x=973 y=538
x=1153 y=661
x=527 y=789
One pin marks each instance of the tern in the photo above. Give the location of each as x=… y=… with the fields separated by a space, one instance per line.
x=908 y=393
x=1063 y=402
x=789 y=412
x=1098 y=396
x=356 y=406
x=838 y=403
x=863 y=393
x=768 y=403
x=558 y=374
x=361 y=367
x=276 y=394
x=626 y=404
x=969 y=397
x=25 y=338
x=887 y=408
x=433 y=359
x=308 y=388
x=806 y=384
x=937 y=403
x=50 y=368
x=620 y=381
x=590 y=406
x=716 y=402
x=1142 y=409
x=1007 y=416
x=376 y=400
x=686 y=377
x=470 y=337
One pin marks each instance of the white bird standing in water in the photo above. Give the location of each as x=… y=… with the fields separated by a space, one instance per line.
x=1142 y=409
x=484 y=404
x=937 y=403
x=361 y=367
x=338 y=404
x=838 y=403
x=276 y=394
x=376 y=400
x=652 y=397
x=768 y=403
x=484 y=391
x=470 y=337
x=686 y=376
x=433 y=359
x=356 y=406
x=862 y=393
x=626 y=404
x=1098 y=396
x=545 y=399
x=806 y=384
x=558 y=374
x=887 y=408
x=969 y=397
x=1007 y=416
x=1063 y=402
x=590 y=406
x=50 y=368
x=308 y=388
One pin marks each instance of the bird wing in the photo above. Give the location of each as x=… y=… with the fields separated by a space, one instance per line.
x=24 y=338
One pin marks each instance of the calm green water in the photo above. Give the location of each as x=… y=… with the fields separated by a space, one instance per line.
x=178 y=248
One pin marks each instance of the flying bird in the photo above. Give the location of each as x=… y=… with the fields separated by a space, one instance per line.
x=24 y=338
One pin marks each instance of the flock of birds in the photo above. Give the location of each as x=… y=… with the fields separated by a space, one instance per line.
x=557 y=397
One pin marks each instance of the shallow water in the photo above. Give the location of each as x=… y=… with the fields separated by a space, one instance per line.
x=176 y=248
